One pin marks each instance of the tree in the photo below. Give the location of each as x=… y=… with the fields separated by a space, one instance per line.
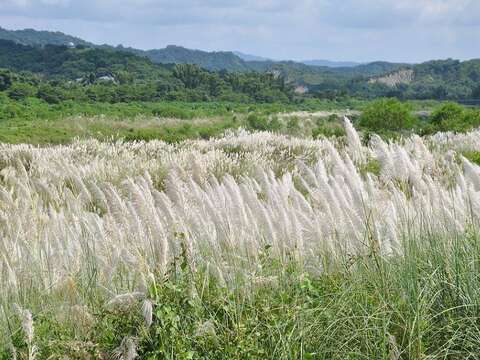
x=387 y=114
x=5 y=80
x=454 y=117
x=124 y=77
x=191 y=75
x=447 y=113
x=50 y=94
x=476 y=92
x=21 y=91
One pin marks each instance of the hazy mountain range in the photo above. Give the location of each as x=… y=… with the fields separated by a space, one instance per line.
x=217 y=60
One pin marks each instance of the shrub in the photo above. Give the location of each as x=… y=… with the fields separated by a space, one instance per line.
x=387 y=114
x=447 y=113
x=5 y=80
x=453 y=117
x=50 y=94
x=293 y=125
x=21 y=91
x=274 y=124
x=328 y=129
x=257 y=122
x=262 y=123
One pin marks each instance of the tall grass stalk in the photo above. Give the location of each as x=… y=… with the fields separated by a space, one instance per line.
x=245 y=246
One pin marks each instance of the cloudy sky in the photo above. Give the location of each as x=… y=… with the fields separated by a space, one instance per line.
x=360 y=30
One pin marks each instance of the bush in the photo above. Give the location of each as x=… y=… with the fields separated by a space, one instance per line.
x=453 y=117
x=274 y=124
x=50 y=94
x=5 y=80
x=447 y=113
x=387 y=114
x=172 y=112
x=328 y=129
x=293 y=125
x=256 y=122
x=21 y=91
x=262 y=123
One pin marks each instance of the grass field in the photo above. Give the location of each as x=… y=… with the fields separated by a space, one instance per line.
x=36 y=122
x=251 y=245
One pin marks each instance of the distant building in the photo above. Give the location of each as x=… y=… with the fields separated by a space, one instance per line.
x=71 y=45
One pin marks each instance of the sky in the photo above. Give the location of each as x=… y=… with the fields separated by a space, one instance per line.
x=349 y=30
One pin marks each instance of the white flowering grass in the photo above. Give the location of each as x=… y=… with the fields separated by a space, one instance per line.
x=93 y=220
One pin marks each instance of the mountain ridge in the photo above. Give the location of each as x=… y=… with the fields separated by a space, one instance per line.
x=213 y=60
x=436 y=79
x=330 y=63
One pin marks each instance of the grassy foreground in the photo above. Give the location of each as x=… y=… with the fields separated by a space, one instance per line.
x=249 y=246
x=417 y=306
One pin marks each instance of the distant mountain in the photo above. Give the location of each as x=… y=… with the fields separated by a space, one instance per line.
x=329 y=63
x=440 y=79
x=248 y=57
x=221 y=60
x=217 y=60
x=74 y=63
x=41 y=38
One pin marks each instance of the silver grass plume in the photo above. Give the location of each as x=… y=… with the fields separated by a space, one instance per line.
x=127 y=350
x=28 y=330
x=354 y=143
x=147 y=312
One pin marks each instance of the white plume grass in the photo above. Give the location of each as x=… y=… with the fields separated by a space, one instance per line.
x=113 y=214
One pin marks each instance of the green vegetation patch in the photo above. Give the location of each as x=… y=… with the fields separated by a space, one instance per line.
x=371 y=307
x=473 y=156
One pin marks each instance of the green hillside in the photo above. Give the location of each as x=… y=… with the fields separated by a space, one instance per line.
x=221 y=60
x=40 y=38
x=74 y=63
x=58 y=73
x=439 y=79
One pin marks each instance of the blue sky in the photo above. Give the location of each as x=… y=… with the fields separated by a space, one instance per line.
x=359 y=30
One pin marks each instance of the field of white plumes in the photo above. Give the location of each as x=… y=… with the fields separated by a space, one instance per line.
x=109 y=217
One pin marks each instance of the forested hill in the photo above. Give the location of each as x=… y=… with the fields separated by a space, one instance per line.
x=316 y=78
x=439 y=79
x=221 y=60
x=57 y=73
x=41 y=38
x=217 y=60
x=74 y=63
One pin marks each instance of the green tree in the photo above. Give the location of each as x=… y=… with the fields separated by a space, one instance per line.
x=50 y=94
x=124 y=77
x=454 y=117
x=191 y=75
x=447 y=113
x=476 y=92
x=387 y=114
x=5 y=80
x=20 y=91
